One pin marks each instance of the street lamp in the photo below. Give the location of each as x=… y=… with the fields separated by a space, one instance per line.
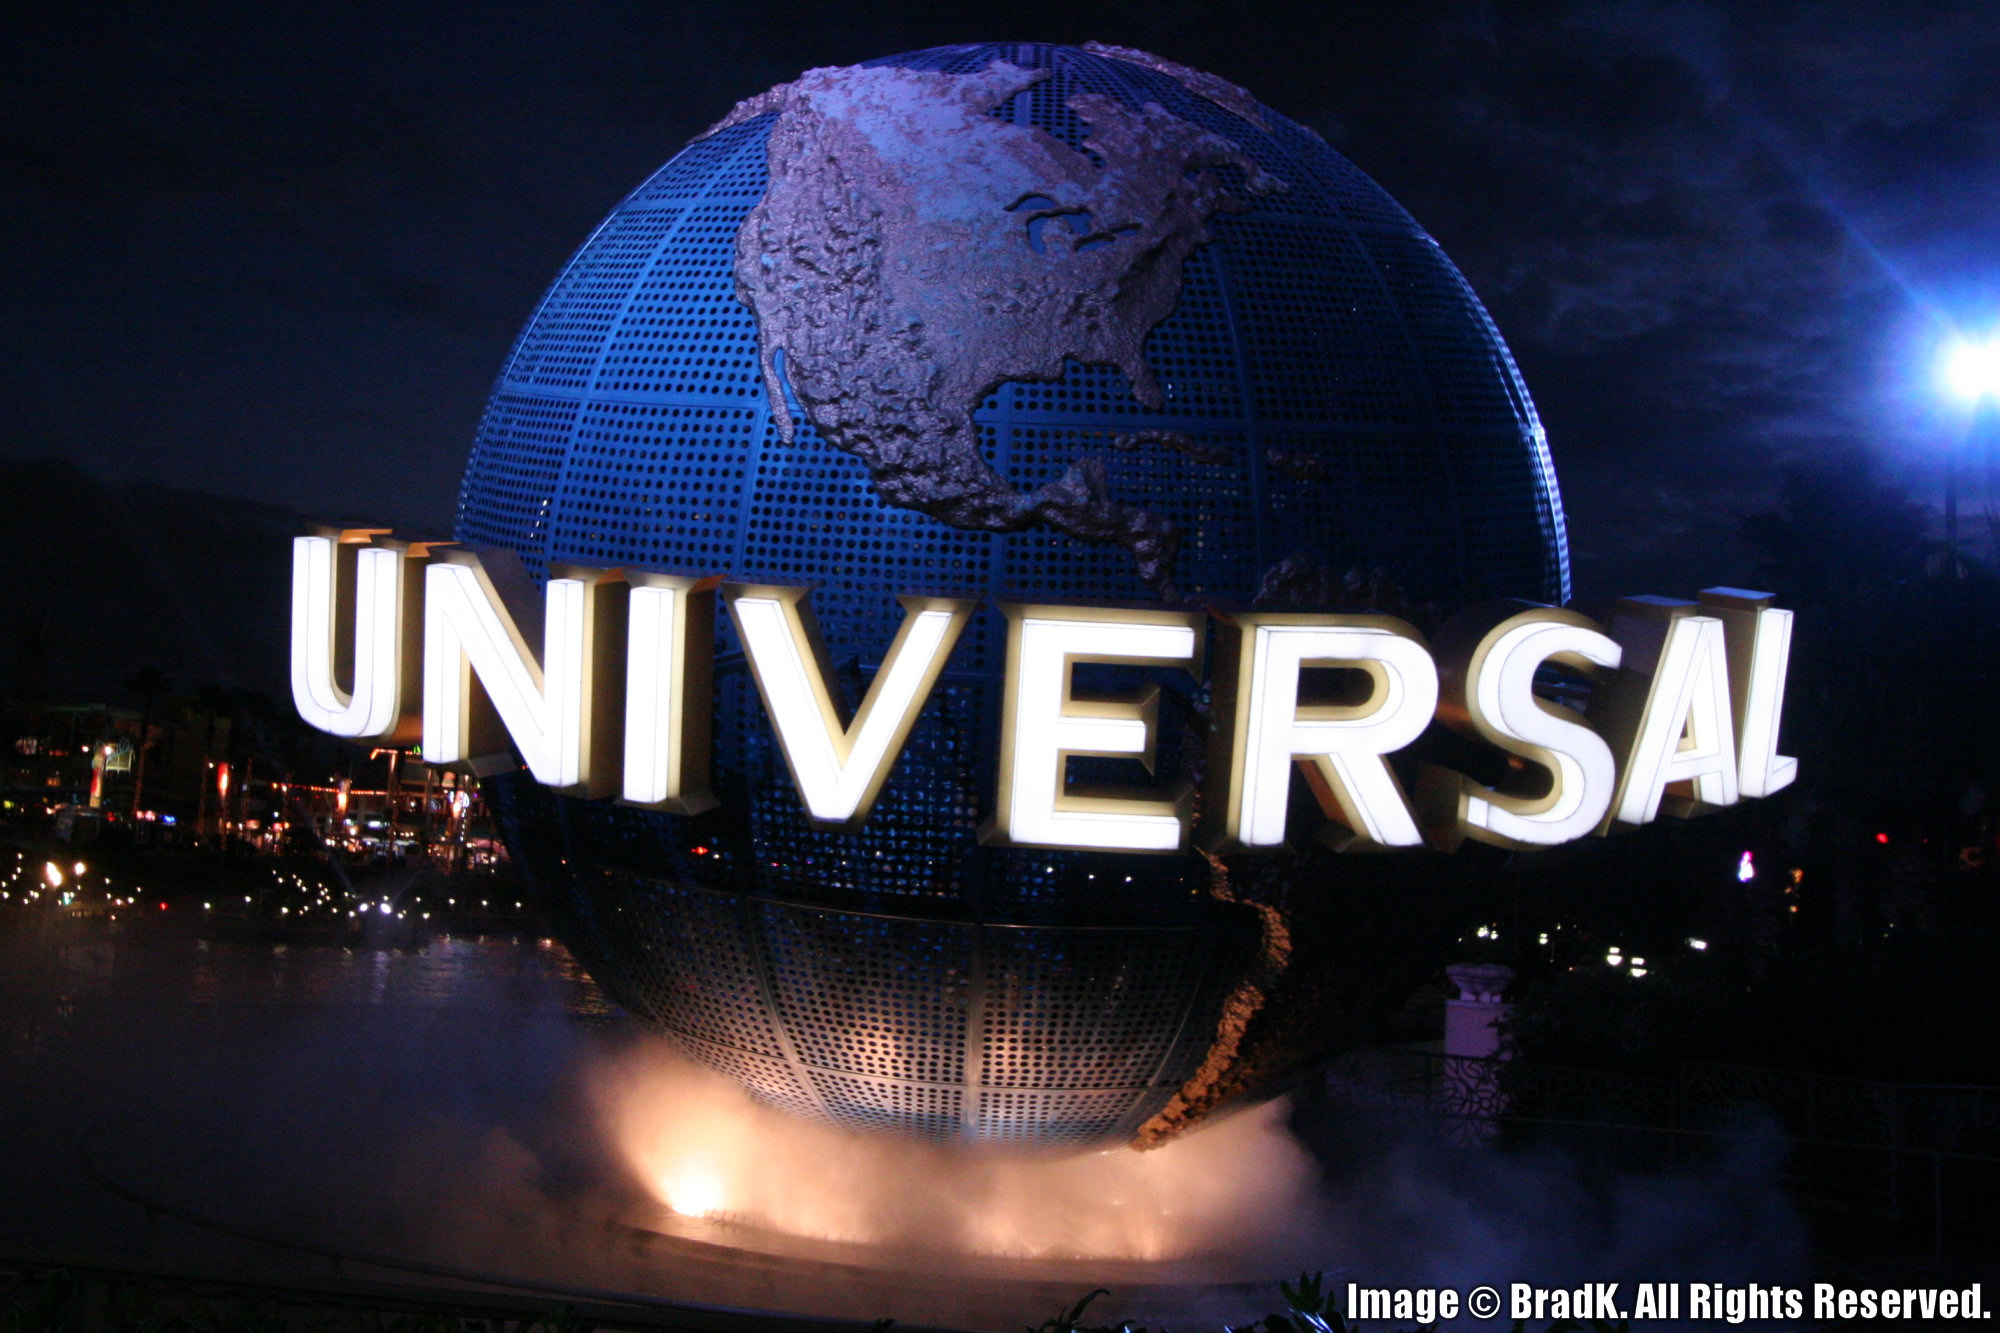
x=1972 y=370
x=1972 y=373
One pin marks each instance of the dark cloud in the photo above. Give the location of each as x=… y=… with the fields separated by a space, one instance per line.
x=281 y=253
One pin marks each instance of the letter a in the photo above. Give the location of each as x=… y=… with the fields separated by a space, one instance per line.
x=1681 y=729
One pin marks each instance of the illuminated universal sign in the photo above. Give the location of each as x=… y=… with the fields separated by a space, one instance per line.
x=401 y=642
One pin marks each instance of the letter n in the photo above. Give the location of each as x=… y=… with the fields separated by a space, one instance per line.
x=483 y=685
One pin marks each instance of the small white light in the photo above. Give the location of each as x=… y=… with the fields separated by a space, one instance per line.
x=1698 y=945
x=1973 y=369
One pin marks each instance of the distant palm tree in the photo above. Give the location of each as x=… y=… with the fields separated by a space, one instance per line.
x=215 y=702
x=149 y=683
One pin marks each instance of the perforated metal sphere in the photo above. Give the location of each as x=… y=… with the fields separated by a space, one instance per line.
x=1017 y=322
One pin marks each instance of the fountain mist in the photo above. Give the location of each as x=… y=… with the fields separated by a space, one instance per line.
x=701 y=1147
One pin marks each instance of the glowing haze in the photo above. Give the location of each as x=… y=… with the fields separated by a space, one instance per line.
x=703 y=1148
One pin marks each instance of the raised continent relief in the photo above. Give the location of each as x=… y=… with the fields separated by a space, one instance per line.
x=1202 y=84
x=912 y=253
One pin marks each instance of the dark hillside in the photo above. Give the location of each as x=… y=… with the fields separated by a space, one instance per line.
x=103 y=580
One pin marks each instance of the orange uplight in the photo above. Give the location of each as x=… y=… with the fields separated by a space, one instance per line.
x=701 y=1148
x=222 y=780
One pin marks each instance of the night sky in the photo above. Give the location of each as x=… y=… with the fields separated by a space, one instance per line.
x=279 y=253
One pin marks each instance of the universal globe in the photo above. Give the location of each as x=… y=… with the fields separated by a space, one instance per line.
x=1017 y=322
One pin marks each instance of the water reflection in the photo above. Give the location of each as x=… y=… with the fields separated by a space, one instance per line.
x=86 y=963
x=441 y=1098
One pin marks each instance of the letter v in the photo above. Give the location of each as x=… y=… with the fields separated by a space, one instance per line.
x=839 y=770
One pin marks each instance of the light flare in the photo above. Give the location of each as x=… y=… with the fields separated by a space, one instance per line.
x=694 y=1190
x=1972 y=369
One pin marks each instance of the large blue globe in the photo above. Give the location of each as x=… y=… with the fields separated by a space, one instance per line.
x=1012 y=321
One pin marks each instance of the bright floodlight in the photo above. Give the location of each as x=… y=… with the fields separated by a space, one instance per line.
x=1973 y=369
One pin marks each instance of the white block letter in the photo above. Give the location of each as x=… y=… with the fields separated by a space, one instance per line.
x=670 y=649
x=1683 y=733
x=1491 y=693
x=340 y=584
x=1760 y=651
x=1340 y=746
x=1042 y=724
x=838 y=769
x=550 y=707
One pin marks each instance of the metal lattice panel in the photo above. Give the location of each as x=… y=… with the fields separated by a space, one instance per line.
x=1335 y=391
x=1054 y=1033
